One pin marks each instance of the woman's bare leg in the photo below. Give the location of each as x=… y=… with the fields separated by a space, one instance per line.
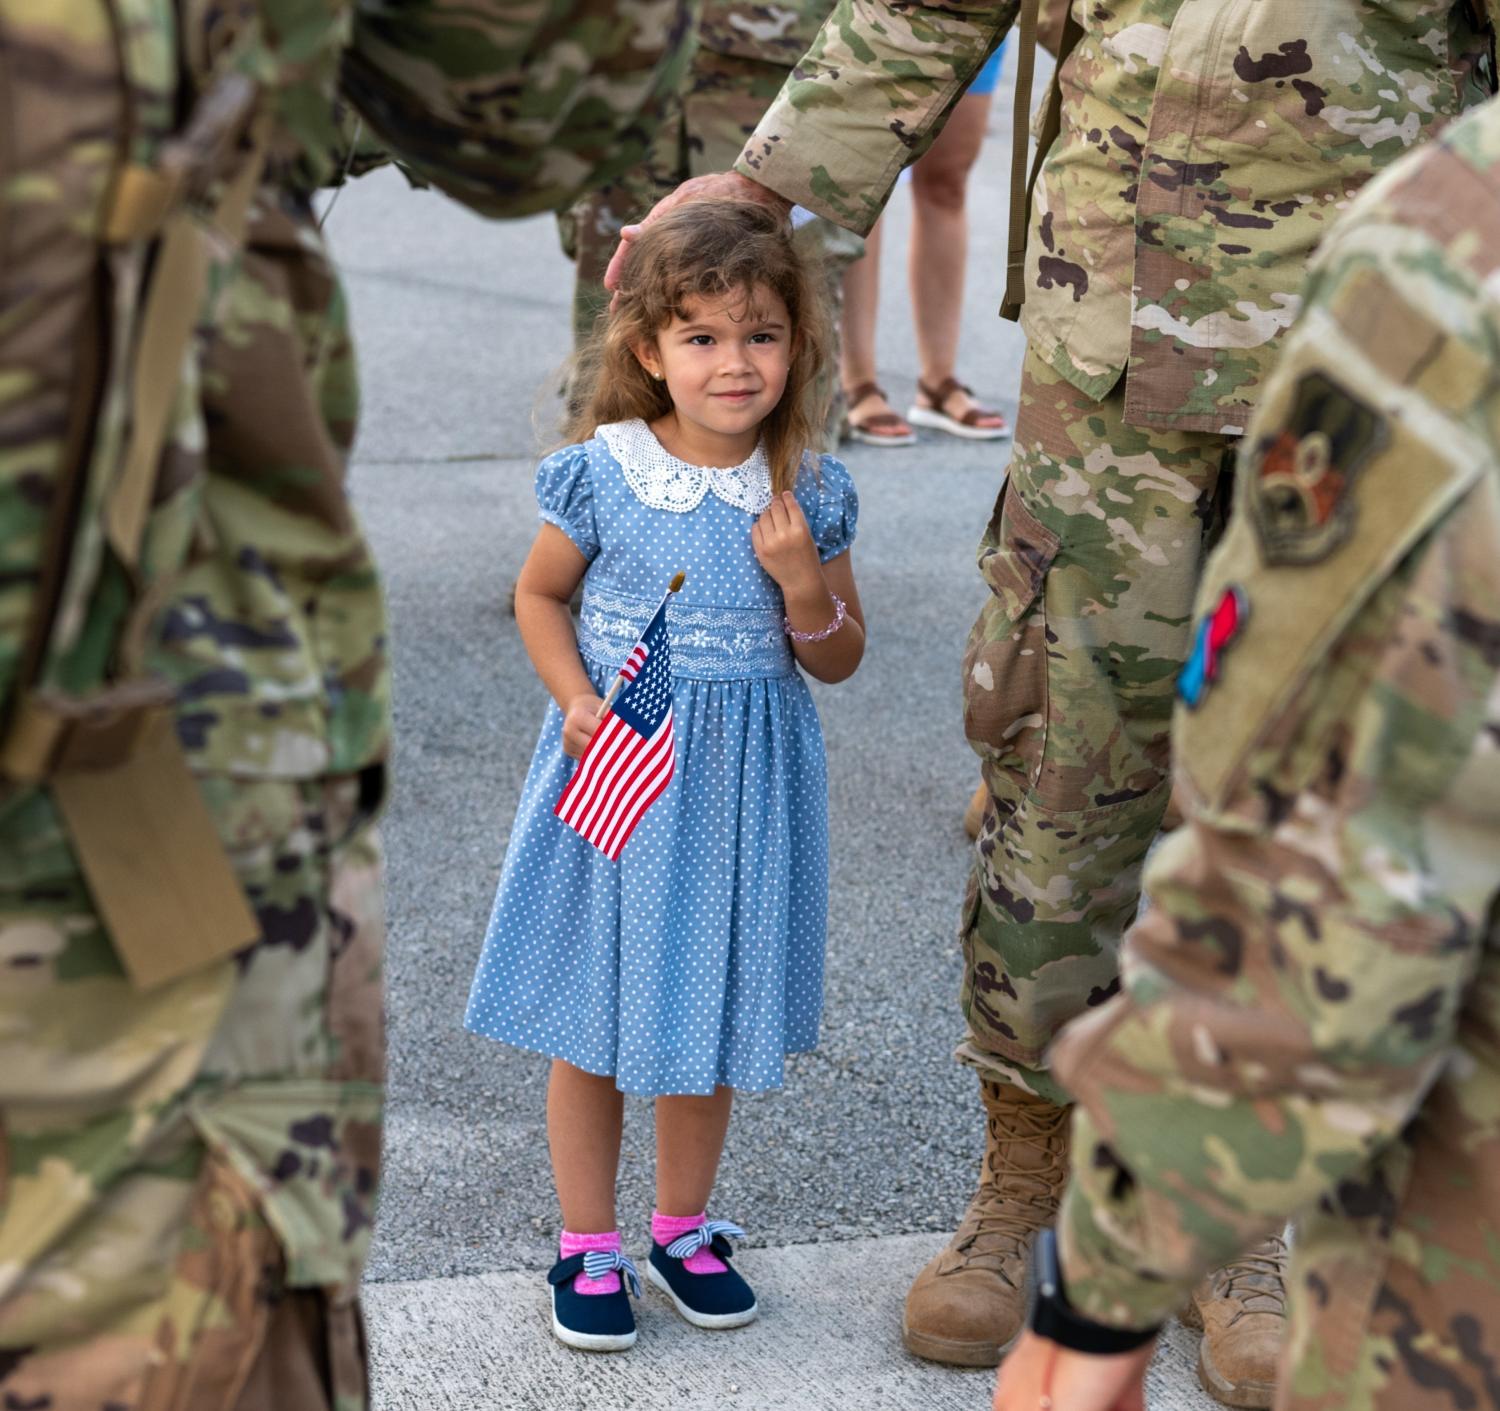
x=940 y=244
x=857 y=343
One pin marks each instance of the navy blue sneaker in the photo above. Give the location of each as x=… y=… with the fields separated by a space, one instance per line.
x=594 y=1322
x=705 y=1300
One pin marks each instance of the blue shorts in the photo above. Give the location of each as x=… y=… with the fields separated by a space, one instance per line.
x=987 y=77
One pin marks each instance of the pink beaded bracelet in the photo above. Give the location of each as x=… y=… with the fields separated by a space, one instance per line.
x=839 y=614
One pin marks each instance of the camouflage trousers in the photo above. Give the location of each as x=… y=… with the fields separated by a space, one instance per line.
x=1092 y=558
x=190 y=1172
x=724 y=98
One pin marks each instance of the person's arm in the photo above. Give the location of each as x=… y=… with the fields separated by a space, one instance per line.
x=784 y=545
x=553 y=569
x=514 y=109
x=1295 y=990
x=867 y=99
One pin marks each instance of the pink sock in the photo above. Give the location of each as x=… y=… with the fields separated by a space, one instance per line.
x=572 y=1244
x=666 y=1228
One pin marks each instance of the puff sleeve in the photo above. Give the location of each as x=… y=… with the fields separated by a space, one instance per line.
x=565 y=497
x=836 y=513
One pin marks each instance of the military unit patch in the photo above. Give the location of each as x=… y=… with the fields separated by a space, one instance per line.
x=1212 y=637
x=1299 y=496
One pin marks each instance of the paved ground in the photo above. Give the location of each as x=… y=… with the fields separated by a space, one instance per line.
x=462 y=326
x=817 y=1347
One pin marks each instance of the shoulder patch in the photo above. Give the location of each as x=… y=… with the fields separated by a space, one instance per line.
x=1301 y=476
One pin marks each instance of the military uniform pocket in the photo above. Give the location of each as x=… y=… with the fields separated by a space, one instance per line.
x=310 y=1150
x=1005 y=661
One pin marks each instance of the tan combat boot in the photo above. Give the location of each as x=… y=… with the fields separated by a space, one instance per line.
x=1242 y=1311
x=967 y=1306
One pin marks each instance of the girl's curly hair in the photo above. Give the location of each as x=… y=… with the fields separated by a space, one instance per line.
x=720 y=251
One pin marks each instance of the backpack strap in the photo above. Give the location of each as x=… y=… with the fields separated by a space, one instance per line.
x=145 y=839
x=1022 y=185
x=151 y=202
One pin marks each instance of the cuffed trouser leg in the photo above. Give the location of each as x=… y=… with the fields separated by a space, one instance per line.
x=1092 y=558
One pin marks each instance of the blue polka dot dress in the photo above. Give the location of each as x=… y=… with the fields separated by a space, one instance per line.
x=697 y=958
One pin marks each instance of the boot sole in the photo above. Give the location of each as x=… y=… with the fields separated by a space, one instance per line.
x=1250 y=1396
x=951 y=1352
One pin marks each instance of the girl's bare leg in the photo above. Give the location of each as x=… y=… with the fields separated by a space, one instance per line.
x=585 y=1114
x=689 y=1141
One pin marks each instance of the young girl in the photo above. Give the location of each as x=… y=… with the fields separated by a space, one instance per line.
x=691 y=966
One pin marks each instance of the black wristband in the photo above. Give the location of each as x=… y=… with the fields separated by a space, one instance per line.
x=1054 y=1318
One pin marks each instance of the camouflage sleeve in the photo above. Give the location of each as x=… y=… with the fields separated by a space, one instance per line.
x=516 y=107
x=867 y=99
x=1297 y=986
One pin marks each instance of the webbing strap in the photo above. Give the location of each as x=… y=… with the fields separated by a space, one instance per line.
x=142 y=199
x=173 y=305
x=1022 y=184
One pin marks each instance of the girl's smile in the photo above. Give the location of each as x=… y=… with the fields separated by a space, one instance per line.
x=725 y=365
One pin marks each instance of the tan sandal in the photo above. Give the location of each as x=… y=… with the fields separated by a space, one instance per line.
x=970 y=425
x=868 y=430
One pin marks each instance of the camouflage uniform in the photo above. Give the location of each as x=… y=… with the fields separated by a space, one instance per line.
x=189 y=1159
x=1310 y=1010
x=1205 y=146
x=745 y=53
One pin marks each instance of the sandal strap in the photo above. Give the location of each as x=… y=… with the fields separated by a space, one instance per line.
x=869 y=423
x=865 y=389
x=946 y=388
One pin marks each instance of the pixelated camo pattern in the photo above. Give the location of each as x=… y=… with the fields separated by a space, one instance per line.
x=1206 y=147
x=172 y=1161
x=1310 y=1012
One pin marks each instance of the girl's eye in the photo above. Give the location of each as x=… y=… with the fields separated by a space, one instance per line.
x=762 y=337
x=700 y=340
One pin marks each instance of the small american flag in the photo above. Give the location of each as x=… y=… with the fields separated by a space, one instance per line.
x=629 y=761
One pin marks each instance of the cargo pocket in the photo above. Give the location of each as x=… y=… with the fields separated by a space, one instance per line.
x=310 y=1149
x=221 y=1297
x=1005 y=661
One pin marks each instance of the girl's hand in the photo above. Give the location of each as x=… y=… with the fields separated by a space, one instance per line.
x=784 y=545
x=580 y=721
x=1074 y=1381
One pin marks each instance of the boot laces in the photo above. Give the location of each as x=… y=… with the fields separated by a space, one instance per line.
x=1014 y=1199
x=1256 y=1280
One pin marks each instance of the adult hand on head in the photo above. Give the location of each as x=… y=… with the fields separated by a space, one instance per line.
x=715 y=186
x=1073 y=1381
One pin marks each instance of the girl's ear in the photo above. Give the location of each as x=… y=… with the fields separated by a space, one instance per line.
x=648 y=357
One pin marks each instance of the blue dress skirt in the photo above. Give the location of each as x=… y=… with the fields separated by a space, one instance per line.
x=696 y=959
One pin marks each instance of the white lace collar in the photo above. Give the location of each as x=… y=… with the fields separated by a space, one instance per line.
x=662 y=482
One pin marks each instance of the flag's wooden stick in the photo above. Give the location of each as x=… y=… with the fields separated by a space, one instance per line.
x=678 y=579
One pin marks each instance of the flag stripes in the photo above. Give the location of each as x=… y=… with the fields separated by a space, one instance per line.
x=632 y=756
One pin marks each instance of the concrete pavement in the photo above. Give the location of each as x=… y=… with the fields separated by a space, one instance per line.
x=822 y=1344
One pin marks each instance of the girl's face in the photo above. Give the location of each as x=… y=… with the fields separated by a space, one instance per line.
x=725 y=364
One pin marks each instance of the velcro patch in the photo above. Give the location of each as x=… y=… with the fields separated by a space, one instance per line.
x=1408 y=346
